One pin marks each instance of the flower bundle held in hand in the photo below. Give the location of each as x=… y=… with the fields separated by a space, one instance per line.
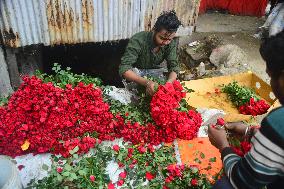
x=241 y=148
x=245 y=99
x=168 y=114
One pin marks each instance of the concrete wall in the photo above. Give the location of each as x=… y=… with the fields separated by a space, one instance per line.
x=5 y=85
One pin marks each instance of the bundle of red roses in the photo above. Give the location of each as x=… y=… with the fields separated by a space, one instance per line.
x=254 y=107
x=245 y=99
x=242 y=149
x=165 y=113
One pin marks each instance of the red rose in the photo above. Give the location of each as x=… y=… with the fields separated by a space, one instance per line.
x=92 y=178
x=246 y=146
x=120 y=164
x=120 y=182
x=123 y=174
x=149 y=176
x=110 y=186
x=194 y=182
x=59 y=169
x=20 y=167
x=220 y=121
x=134 y=161
x=168 y=180
x=171 y=168
x=238 y=151
x=115 y=148
x=151 y=148
x=142 y=149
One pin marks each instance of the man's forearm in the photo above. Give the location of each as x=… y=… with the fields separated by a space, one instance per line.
x=131 y=76
x=172 y=77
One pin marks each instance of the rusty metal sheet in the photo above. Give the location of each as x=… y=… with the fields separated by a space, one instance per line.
x=54 y=22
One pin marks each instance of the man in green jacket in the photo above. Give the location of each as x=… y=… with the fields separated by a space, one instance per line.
x=147 y=50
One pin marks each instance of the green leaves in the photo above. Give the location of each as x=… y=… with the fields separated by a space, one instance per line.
x=63 y=77
x=3 y=101
x=74 y=150
x=82 y=172
x=67 y=167
x=202 y=155
x=76 y=171
x=45 y=167
x=190 y=145
x=73 y=176
x=138 y=112
x=197 y=160
x=212 y=159
x=239 y=95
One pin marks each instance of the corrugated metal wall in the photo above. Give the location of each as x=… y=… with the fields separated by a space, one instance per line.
x=27 y=22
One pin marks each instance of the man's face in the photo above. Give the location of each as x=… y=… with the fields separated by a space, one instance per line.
x=277 y=85
x=163 y=37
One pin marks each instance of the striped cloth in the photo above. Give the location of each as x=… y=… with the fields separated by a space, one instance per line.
x=264 y=164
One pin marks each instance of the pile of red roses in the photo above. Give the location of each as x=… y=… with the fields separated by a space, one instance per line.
x=137 y=133
x=45 y=116
x=254 y=107
x=164 y=111
x=52 y=119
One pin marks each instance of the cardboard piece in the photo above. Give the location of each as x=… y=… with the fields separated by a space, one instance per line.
x=191 y=149
x=206 y=97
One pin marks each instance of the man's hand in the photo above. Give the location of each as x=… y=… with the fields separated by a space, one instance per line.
x=218 y=137
x=238 y=128
x=150 y=87
x=172 y=77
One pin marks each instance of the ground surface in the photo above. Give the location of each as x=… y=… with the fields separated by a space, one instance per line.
x=231 y=29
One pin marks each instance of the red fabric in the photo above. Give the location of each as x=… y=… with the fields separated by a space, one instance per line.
x=239 y=7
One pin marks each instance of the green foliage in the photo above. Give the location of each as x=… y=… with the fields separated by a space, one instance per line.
x=239 y=95
x=188 y=175
x=134 y=112
x=63 y=77
x=186 y=89
x=146 y=162
x=77 y=170
x=4 y=101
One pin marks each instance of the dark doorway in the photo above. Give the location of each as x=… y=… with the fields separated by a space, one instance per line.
x=95 y=59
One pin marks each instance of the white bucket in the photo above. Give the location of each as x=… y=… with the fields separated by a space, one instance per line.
x=9 y=175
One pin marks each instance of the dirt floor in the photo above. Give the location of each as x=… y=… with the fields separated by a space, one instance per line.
x=231 y=29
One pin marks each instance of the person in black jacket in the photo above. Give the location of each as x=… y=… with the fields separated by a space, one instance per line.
x=263 y=165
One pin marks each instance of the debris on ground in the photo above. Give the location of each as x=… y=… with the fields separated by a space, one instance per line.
x=209 y=57
x=199 y=51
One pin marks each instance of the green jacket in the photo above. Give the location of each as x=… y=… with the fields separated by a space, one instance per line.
x=139 y=54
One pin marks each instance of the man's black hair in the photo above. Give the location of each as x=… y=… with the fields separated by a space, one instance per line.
x=168 y=21
x=272 y=51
